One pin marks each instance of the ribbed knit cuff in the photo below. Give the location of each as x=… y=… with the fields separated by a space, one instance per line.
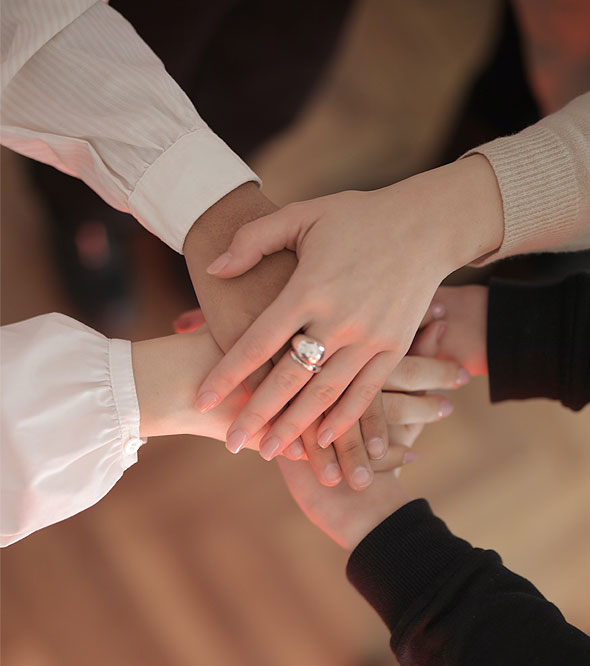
x=404 y=560
x=538 y=340
x=539 y=188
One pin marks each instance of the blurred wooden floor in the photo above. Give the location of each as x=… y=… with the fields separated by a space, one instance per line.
x=201 y=558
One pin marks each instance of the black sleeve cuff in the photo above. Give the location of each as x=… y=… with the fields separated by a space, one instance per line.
x=538 y=340
x=404 y=561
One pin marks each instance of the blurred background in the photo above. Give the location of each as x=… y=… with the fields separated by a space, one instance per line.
x=198 y=557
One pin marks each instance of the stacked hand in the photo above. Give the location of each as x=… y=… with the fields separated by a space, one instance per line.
x=369 y=264
x=165 y=370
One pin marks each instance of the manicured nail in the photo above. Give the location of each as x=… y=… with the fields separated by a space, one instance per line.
x=376 y=448
x=438 y=310
x=325 y=438
x=269 y=448
x=361 y=478
x=296 y=449
x=462 y=377
x=206 y=401
x=219 y=264
x=442 y=329
x=446 y=407
x=332 y=473
x=409 y=456
x=237 y=440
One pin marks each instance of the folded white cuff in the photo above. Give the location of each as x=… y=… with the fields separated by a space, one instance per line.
x=187 y=179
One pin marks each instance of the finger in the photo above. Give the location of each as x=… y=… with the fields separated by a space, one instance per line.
x=295 y=451
x=418 y=373
x=189 y=321
x=353 y=459
x=402 y=409
x=317 y=396
x=359 y=395
x=404 y=434
x=278 y=387
x=427 y=341
x=435 y=311
x=273 y=328
x=259 y=238
x=374 y=429
x=397 y=455
x=323 y=461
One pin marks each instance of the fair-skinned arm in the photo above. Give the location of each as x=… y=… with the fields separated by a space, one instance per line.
x=165 y=369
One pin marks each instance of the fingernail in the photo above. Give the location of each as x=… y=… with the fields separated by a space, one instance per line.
x=296 y=449
x=409 y=456
x=446 y=407
x=376 y=448
x=361 y=477
x=442 y=329
x=219 y=264
x=438 y=310
x=237 y=440
x=206 y=401
x=332 y=473
x=325 y=438
x=462 y=377
x=269 y=448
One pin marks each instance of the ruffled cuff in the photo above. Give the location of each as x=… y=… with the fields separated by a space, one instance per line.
x=70 y=421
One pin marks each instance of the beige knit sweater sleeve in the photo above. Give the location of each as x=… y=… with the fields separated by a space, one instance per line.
x=544 y=178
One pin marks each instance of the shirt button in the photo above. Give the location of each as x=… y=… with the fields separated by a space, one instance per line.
x=132 y=446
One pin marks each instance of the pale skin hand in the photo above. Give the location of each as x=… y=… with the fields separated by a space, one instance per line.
x=230 y=306
x=165 y=370
x=345 y=516
x=465 y=339
x=415 y=233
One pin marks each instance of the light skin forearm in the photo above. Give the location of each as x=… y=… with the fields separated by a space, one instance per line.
x=165 y=371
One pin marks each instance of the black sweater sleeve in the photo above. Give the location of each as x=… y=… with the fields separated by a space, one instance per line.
x=538 y=340
x=449 y=604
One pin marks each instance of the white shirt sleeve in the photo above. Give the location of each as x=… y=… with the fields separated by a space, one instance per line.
x=70 y=421
x=81 y=91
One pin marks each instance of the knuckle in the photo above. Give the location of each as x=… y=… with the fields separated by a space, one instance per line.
x=410 y=371
x=254 y=352
x=349 y=446
x=242 y=236
x=393 y=410
x=368 y=391
x=373 y=419
x=325 y=394
x=224 y=384
x=287 y=381
x=256 y=420
x=289 y=431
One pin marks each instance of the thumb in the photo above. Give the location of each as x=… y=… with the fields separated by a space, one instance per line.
x=257 y=239
x=427 y=341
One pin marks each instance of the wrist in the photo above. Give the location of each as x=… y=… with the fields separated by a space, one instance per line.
x=360 y=526
x=465 y=204
x=166 y=372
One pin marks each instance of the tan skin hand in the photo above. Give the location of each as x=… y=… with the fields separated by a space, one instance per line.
x=466 y=318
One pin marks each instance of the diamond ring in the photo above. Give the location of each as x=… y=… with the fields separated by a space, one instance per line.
x=307 y=352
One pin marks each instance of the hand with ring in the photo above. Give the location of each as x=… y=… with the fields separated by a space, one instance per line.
x=368 y=266
x=405 y=406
